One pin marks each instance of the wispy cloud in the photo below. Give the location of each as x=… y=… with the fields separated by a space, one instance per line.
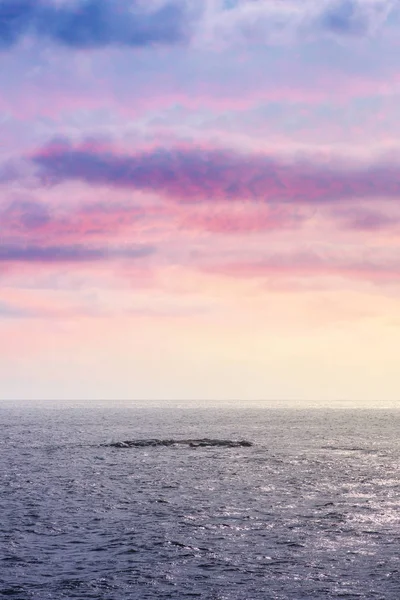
x=23 y=215
x=355 y=17
x=194 y=173
x=11 y=311
x=264 y=22
x=240 y=218
x=367 y=220
x=311 y=265
x=11 y=253
x=31 y=219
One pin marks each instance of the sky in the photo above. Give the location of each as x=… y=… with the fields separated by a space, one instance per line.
x=200 y=201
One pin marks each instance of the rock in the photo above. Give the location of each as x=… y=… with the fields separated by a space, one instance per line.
x=192 y=443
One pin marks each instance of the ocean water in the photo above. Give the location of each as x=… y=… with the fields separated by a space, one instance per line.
x=310 y=511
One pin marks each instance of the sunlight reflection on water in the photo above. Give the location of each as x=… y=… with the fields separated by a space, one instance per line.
x=310 y=511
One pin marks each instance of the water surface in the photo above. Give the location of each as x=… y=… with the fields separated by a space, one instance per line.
x=310 y=511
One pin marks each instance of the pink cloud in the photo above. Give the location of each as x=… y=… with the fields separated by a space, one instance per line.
x=356 y=218
x=310 y=265
x=241 y=219
x=191 y=174
x=37 y=221
x=88 y=93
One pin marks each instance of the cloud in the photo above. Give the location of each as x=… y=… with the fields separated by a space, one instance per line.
x=270 y=23
x=237 y=219
x=9 y=311
x=84 y=24
x=24 y=214
x=368 y=220
x=11 y=253
x=355 y=17
x=27 y=222
x=197 y=174
x=9 y=171
x=28 y=218
x=92 y=23
x=311 y=264
x=345 y=17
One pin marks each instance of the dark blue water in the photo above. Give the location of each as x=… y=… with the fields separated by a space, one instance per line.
x=310 y=511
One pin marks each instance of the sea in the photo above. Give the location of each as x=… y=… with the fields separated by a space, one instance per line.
x=311 y=510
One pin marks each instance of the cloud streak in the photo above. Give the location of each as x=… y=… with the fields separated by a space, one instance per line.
x=28 y=218
x=240 y=219
x=13 y=253
x=366 y=220
x=311 y=265
x=281 y=23
x=9 y=311
x=197 y=174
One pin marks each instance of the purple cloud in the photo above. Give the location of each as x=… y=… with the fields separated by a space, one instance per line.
x=361 y=219
x=24 y=214
x=345 y=17
x=11 y=253
x=190 y=174
x=311 y=264
x=12 y=311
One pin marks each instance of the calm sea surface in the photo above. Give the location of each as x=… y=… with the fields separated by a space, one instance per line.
x=311 y=510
